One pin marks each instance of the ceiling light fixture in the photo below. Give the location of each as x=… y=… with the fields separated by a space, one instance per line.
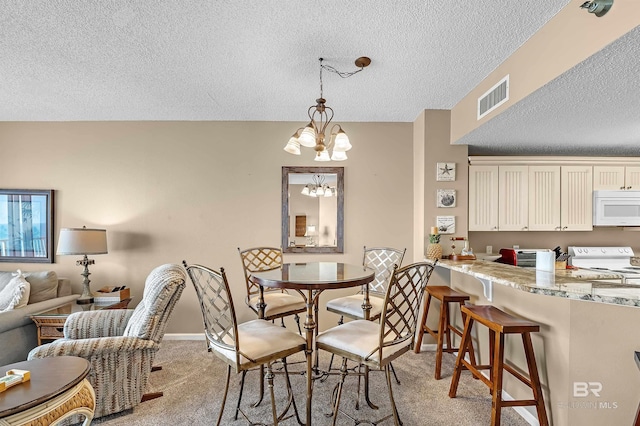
x=599 y=8
x=318 y=188
x=313 y=135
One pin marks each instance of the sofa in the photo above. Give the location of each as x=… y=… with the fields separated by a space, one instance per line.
x=18 y=333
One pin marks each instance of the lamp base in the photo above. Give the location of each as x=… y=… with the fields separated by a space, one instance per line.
x=84 y=300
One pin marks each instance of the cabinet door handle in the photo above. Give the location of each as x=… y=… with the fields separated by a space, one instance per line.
x=525 y=228
x=564 y=228
x=628 y=187
x=557 y=228
x=622 y=187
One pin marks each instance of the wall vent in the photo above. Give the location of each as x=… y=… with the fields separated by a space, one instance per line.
x=493 y=97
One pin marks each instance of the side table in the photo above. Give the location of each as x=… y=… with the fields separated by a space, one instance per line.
x=50 y=323
x=58 y=389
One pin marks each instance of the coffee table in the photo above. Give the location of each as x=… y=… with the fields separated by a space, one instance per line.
x=58 y=389
x=51 y=323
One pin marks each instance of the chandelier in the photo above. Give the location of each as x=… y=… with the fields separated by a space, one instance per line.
x=318 y=188
x=313 y=135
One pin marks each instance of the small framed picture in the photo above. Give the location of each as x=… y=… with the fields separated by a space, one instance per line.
x=446 y=198
x=446 y=224
x=446 y=172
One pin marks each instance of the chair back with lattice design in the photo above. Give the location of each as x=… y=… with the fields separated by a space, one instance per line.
x=218 y=313
x=402 y=303
x=259 y=259
x=381 y=260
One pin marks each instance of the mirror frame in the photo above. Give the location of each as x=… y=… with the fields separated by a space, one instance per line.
x=339 y=171
x=47 y=243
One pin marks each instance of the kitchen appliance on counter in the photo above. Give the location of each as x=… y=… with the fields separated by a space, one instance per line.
x=616 y=260
x=616 y=208
x=519 y=257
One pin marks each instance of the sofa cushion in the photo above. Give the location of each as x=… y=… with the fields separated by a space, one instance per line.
x=44 y=285
x=15 y=294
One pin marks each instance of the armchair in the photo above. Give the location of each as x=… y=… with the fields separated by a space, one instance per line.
x=121 y=344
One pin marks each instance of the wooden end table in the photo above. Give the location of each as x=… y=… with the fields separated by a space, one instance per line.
x=51 y=323
x=58 y=389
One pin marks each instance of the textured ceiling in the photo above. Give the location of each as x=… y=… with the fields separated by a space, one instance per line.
x=250 y=60
x=66 y=60
x=592 y=109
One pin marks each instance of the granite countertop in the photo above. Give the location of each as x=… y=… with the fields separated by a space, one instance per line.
x=580 y=284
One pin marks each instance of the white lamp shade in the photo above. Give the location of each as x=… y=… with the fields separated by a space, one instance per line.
x=338 y=155
x=328 y=192
x=293 y=146
x=341 y=143
x=305 y=190
x=82 y=241
x=308 y=136
x=320 y=191
x=322 y=156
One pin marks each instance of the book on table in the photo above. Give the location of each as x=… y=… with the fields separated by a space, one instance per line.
x=112 y=294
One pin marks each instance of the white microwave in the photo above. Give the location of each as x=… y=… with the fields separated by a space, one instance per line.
x=616 y=208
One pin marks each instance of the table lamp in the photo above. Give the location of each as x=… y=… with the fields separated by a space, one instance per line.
x=83 y=241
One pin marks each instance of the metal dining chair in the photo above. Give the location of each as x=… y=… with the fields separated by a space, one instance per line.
x=278 y=304
x=242 y=346
x=376 y=344
x=382 y=261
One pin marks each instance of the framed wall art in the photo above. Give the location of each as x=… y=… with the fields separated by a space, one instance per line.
x=26 y=225
x=446 y=198
x=446 y=172
x=446 y=224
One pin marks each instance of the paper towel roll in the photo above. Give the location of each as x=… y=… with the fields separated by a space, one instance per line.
x=546 y=261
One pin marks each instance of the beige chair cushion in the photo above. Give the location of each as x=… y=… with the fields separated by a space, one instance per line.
x=260 y=340
x=359 y=338
x=279 y=303
x=351 y=306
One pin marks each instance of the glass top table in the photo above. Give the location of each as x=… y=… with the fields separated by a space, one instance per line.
x=309 y=280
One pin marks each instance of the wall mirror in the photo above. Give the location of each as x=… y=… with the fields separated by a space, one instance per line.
x=313 y=196
x=26 y=225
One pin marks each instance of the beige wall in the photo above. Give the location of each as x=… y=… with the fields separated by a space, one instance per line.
x=168 y=191
x=437 y=125
x=566 y=40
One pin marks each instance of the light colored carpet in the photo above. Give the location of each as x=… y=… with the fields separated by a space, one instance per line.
x=192 y=380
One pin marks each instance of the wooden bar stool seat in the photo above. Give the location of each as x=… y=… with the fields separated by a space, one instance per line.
x=500 y=323
x=445 y=295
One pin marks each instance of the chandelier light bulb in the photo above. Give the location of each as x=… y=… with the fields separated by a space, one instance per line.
x=322 y=156
x=341 y=142
x=338 y=155
x=305 y=190
x=293 y=146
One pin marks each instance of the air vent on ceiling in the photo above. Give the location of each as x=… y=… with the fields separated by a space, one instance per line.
x=493 y=97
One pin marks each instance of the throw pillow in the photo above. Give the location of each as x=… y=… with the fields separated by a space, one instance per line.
x=44 y=285
x=15 y=294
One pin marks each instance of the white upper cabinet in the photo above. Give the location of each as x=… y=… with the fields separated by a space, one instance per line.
x=483 y=198
x=544 y=198
x=513 y=199
x=616 y=177
x=533 y=197
x=576 y=200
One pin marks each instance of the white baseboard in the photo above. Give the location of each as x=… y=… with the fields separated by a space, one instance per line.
x=522 y=411
x=184 y=336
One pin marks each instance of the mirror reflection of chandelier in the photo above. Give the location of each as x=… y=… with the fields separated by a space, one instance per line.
x=313 y=135
x=318 y=188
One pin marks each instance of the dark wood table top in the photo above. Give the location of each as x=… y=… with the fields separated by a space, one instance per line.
x=49 y=378
x=315 y=276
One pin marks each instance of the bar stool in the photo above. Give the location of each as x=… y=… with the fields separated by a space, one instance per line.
x=500 y=323
x=445 y=295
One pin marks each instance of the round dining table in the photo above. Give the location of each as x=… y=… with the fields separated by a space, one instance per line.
x=310 y=279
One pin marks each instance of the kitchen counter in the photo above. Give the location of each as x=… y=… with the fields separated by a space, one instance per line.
x=582 y=284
